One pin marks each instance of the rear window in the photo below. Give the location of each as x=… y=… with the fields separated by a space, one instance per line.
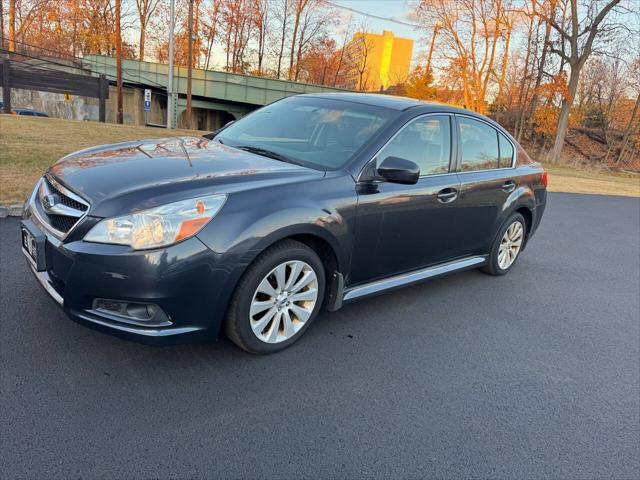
x=506 y=151
x=479 y=145
x=523 y=157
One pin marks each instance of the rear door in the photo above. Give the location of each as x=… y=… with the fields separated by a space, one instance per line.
x=487 y=178
x=403 y=227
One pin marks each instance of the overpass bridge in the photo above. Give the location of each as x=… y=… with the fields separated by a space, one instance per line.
x=217 y=97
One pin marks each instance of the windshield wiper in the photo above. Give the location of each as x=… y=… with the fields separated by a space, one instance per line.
x=268 y=153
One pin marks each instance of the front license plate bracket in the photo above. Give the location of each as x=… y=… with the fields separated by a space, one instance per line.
x=34 y=245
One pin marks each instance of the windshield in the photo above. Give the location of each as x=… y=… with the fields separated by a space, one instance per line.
x=314 y=132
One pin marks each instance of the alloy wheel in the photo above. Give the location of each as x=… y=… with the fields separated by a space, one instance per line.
x=510 y=245
x=283 y=301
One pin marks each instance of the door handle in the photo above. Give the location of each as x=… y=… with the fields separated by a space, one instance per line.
x=509 y=186
x=447 y=195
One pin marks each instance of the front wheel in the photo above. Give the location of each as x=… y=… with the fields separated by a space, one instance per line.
x=507 y=246
x=277 y=298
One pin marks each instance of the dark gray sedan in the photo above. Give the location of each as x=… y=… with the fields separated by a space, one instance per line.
x=313 y=200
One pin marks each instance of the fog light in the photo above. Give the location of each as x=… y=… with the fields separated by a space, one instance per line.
x=130 y=312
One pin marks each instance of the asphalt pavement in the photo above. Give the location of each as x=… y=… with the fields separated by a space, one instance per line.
x=531 y=375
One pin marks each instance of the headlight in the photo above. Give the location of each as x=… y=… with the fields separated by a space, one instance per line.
x=158 y=226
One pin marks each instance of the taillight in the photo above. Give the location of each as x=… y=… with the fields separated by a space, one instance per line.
x=544 y=179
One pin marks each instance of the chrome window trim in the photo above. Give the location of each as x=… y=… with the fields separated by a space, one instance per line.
x=405 y=125
x=515 y=150
x=46 y=225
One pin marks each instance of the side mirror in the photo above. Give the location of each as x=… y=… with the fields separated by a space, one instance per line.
x=399 y=170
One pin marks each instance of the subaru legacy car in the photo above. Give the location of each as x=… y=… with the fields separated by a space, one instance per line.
x=311 y=201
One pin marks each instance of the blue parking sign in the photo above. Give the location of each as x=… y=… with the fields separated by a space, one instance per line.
x=147 y=106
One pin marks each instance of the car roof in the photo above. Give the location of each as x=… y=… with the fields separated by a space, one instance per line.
x=386 y=101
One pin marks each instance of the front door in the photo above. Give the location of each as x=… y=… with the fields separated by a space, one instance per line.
x=405 y=227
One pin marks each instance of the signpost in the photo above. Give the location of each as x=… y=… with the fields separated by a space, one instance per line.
x=147 y=104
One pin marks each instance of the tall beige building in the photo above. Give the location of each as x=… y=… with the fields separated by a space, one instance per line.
x=375 y=62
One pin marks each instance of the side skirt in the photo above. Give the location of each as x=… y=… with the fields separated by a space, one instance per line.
x=396 y=281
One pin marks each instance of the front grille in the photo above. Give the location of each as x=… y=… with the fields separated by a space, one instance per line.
x=64 y=199
x=62 y=223
x=58 y=207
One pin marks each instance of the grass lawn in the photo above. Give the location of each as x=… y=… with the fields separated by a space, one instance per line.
x=573 y=180
x=29 y=145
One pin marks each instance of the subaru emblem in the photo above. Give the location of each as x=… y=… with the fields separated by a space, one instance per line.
x=48 y=201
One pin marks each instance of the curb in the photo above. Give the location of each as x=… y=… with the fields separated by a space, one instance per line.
x=14 y=210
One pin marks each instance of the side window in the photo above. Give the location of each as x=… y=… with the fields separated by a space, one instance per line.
x=425 y=141
x=478 y=144
x=506 y=151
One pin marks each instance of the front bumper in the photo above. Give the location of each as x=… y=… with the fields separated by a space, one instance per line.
x=189 y=282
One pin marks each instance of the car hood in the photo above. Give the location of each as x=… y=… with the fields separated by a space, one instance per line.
x=135 y=175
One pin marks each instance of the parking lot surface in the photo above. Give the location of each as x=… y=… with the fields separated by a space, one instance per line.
x=531 y=375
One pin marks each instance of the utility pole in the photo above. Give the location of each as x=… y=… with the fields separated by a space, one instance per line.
x=172 y=13
x=120 y=113
x=189 y=65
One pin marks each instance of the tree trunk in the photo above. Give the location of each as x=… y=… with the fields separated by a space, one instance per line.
x=627 y=133
x=283 y=38
x=432 y=44
x=12 y=25
x=196 y=32
x=296 y=24
x=521 y=116
x=1 y=24
x=543 y=59
x=142 y=41
x=465 y=86
x=213 y=32
x=341 y=58
x=503 y=69
x=119 y=112
x=563 y=118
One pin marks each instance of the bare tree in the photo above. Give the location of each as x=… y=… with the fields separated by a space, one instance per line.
x=260 y=20
x=12 y=25
x=576 y=44
x=432 y=44
x=236 y=22
x=1 y=24
x=298 y=9
x=632 y=127
x=471 y=31
x=312 y=26
x=211 y=29
x=527 y=111
x=345 y=39
x=283 y=18
x=146 y=9
x=364 y=49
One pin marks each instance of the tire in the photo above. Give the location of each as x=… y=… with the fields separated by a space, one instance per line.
x=496 y=264
x=248 y=324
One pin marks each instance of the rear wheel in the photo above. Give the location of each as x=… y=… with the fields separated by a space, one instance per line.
x=277 y=298
x=507 y=245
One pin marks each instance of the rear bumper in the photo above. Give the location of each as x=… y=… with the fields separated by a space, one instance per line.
x=190 y=283
x=541 y=204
